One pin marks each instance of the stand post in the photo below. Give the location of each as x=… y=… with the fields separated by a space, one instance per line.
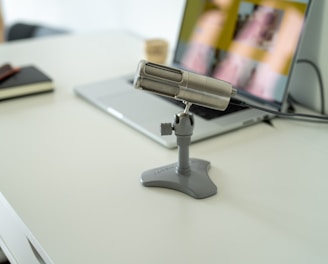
x=183 y=127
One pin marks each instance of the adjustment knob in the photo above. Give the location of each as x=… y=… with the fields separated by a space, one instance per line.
x=166 y=129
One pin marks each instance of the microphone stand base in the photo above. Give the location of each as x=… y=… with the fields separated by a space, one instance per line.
x=195 y=183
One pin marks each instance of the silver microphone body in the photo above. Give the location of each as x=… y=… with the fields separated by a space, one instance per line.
x=183 y=85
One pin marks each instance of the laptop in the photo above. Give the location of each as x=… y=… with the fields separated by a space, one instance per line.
x=250 y=43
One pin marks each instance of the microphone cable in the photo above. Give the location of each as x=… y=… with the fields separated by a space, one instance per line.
x=319 y=76
x=293 y=116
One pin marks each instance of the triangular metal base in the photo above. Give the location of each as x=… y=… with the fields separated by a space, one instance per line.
x=197 y=183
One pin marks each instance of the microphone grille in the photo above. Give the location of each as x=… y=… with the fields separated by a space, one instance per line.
x=163 y=72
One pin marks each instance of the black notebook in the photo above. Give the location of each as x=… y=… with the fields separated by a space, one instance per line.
x=27 y=81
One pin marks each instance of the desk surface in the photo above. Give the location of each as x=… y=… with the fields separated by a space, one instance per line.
x=65 y=170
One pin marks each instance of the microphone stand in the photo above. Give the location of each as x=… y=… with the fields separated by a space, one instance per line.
x=188 y=175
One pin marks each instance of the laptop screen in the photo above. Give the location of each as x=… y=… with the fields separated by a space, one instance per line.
x=249 y=43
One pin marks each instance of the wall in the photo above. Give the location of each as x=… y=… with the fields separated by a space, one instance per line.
x=151 y=18
x=72 y=14
x=147 y=18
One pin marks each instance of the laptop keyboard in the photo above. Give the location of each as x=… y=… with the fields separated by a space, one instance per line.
x=204 y=112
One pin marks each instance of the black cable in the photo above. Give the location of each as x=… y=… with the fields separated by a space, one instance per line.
x=321 y=86
x=295 y=116
x=291 y=115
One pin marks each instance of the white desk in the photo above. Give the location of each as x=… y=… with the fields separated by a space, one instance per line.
x=72 y=173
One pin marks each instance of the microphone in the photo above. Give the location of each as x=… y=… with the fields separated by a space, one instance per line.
x=183 y=85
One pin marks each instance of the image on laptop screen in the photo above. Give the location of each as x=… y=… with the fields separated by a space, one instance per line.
x=249 y=43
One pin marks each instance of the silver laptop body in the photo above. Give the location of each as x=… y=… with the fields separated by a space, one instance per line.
x=247 y=44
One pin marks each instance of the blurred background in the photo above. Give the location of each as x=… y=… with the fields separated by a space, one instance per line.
x=151 y=19
x=146 y=18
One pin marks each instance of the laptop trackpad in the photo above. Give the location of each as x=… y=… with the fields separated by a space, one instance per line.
x=139 y=106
